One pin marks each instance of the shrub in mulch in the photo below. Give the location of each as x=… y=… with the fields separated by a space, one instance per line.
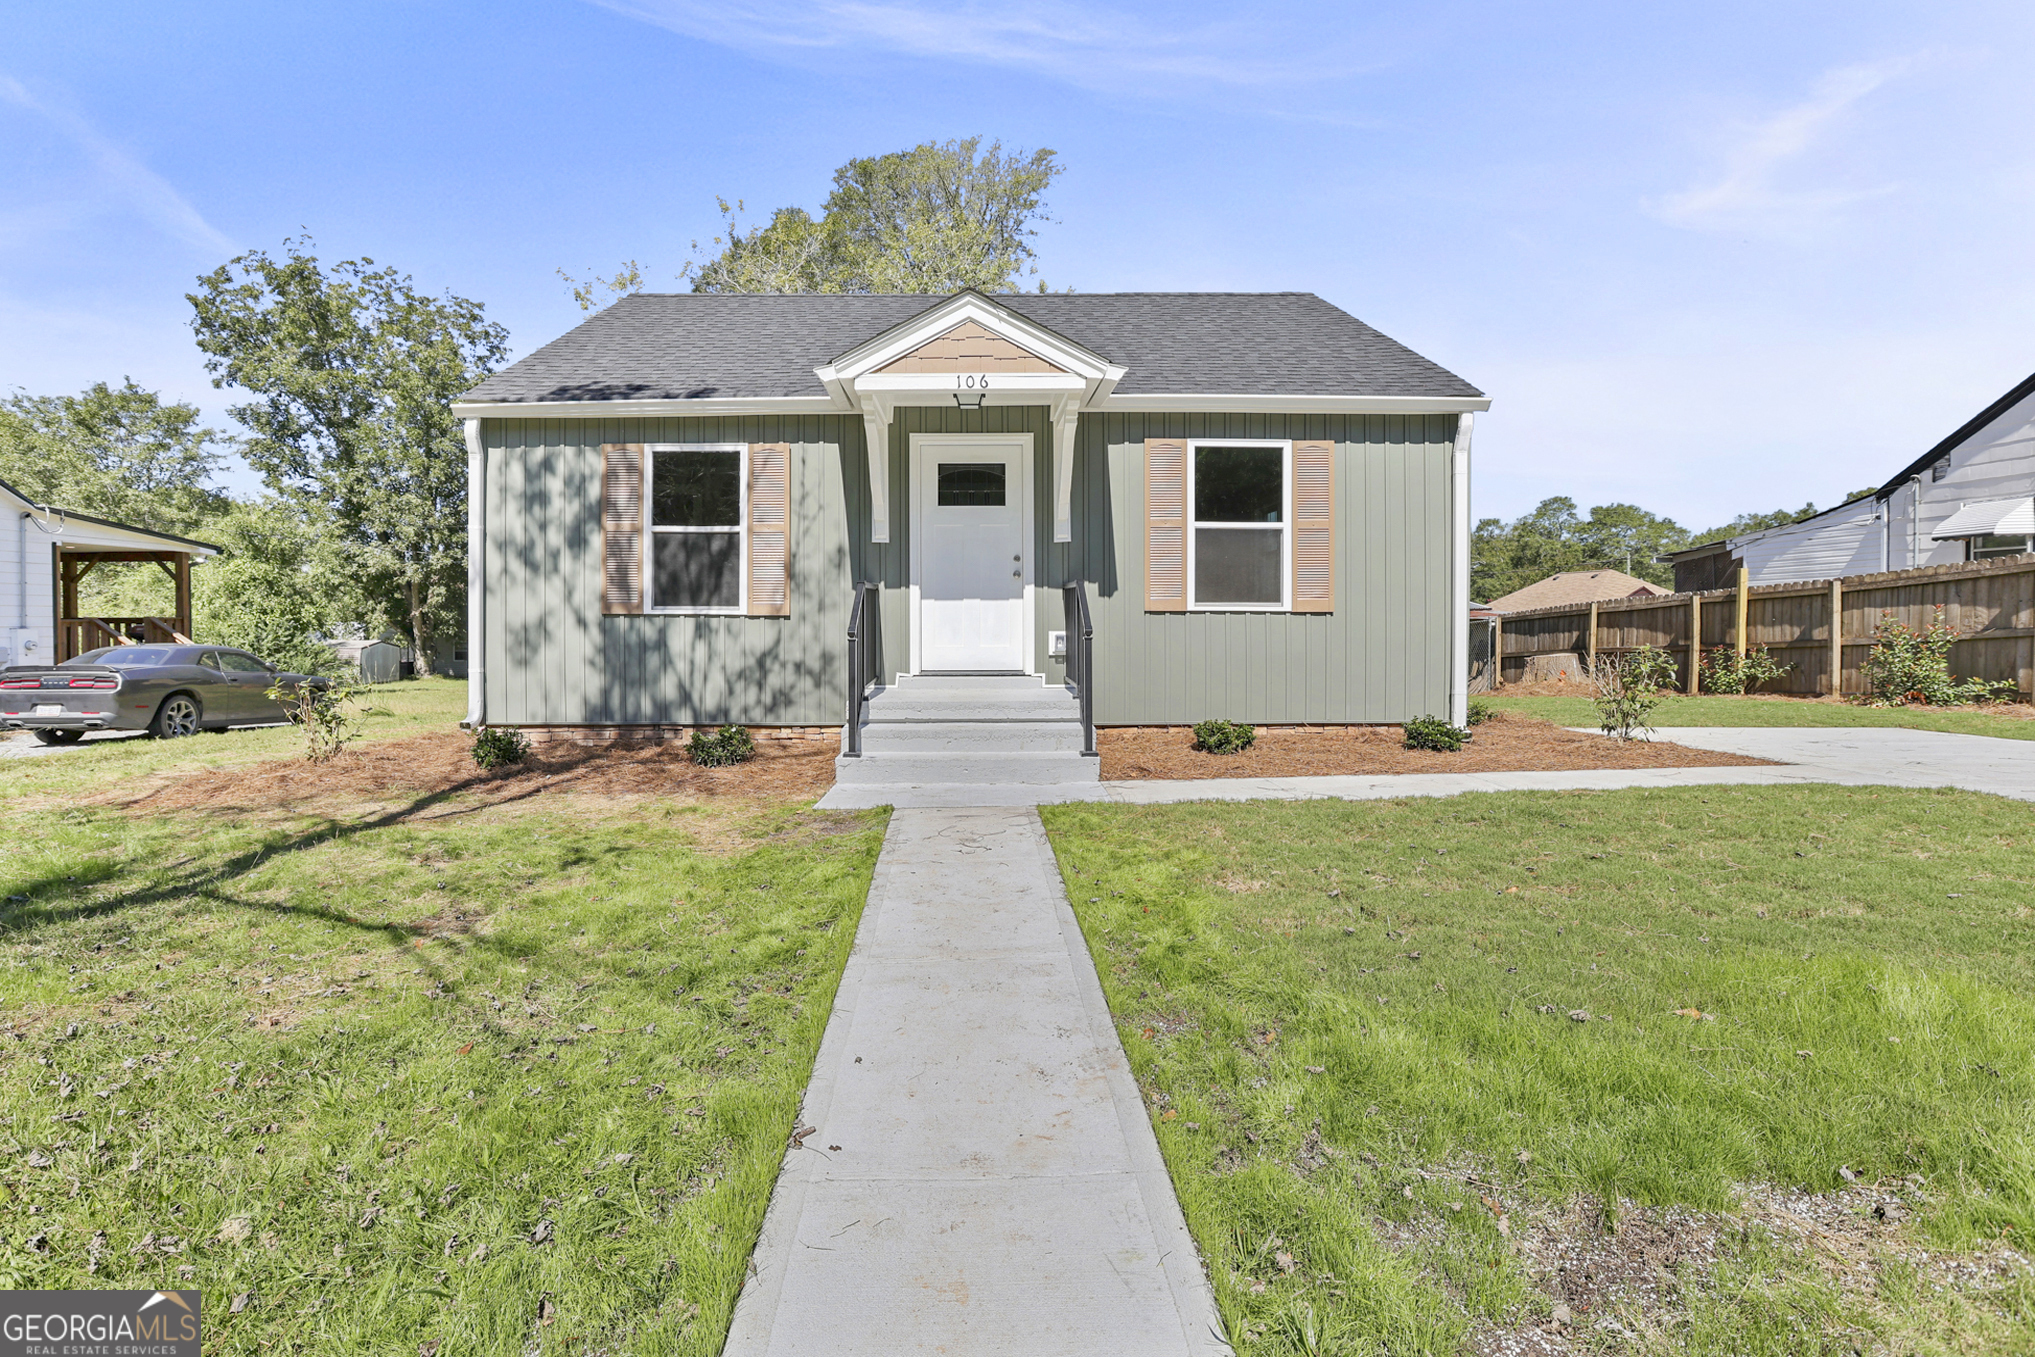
x=1434 y=734
x=721 y=748
x=496 y=748
x=1224 y=737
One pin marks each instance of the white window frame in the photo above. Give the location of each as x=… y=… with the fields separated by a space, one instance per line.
x=650 y=530
x=1284 y=526
x=1971 y=547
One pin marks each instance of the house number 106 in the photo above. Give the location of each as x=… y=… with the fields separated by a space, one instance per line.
x=972 y=382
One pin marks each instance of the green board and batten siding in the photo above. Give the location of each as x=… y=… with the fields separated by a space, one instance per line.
x=553 y=659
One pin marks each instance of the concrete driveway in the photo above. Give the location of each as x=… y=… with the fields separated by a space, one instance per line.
x=1879 y=756
x=22 y=745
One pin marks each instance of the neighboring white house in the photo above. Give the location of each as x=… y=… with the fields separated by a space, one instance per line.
x=40 y=547
x=1971 y=497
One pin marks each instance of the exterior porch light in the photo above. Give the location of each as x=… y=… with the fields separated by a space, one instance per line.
x=969 y=400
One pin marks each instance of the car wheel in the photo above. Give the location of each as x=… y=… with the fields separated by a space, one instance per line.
x=60 y=736
x=176 y=717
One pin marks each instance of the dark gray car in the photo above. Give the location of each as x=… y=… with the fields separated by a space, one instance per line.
x=166 y=690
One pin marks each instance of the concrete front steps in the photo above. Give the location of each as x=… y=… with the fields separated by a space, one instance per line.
x=966 y=740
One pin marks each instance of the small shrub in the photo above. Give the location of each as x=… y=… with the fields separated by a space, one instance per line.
x=494 y=747
x=1432 y=732
x=1629 y=688
x=1224 y=737
x=1906 y=666
x=329 y=714
x=1725 y=671
x=1480 y=711
x=721 y=748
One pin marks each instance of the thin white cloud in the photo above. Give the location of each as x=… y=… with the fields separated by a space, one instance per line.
x=1760 y=188
x=1079 y=45
x=140 y=188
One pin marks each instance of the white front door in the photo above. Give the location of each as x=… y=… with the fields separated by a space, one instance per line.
x=972 y=567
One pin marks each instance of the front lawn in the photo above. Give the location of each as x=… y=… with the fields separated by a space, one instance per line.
x=2009 y=721
x=1414 y=1065
x=391 y=711
x=444 y=1075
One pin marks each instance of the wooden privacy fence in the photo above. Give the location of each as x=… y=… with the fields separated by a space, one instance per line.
x=1991 y=604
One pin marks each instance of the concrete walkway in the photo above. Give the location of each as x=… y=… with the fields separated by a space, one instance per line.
x=1852 y=756
x=981 y=1177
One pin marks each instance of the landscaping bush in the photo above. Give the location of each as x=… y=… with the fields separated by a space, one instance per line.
x=1906 y=666
x=1224 y=737
x=330 y=713
x=721 y=748
x=494 y=748
x=1726 y=671
x=1480 y=711
x=1629 y=688
x=1432 y=732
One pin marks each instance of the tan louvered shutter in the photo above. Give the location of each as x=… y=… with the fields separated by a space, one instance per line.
x=1165 y=525
x=621 y=527
x=770 y=529
x=1313 y=526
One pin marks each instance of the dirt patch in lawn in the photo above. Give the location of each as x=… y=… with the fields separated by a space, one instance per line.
x=429 y=770
x=1508 y=742
x=1603 y=1278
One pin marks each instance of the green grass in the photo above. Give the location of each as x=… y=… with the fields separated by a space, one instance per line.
x=1769 y=711
x=408 y=708
x=1361 y=1005
x=512 y=1079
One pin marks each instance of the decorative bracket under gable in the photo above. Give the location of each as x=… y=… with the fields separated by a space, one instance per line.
x=876 y=435
x=1066 y=419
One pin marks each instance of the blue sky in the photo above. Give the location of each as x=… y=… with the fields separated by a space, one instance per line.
x=1706 y=258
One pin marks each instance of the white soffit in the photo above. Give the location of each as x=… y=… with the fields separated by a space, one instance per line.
x=1989 y=518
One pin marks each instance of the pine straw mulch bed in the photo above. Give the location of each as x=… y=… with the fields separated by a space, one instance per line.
x=429 y=770
x=1507 y=743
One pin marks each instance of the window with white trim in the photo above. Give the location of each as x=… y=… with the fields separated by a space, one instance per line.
x=1992 y=548
x=1239 y=497
x=697 y=507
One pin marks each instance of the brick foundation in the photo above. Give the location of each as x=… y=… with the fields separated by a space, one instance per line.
x=604 y=735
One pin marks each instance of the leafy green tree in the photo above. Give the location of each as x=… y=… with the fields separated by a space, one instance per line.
x=279 y=582
x=352 y=372
x=939 y=217
x=935 y=219
x=1779 y=518
x=119 y=452
x=1554 y=537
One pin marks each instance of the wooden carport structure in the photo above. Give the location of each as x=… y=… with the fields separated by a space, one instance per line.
x=77 y=634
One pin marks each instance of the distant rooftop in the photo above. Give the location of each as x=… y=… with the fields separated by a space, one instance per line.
x=1575 y=586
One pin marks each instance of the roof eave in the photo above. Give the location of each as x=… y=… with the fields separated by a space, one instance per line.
x=1168 y=403
x=2020 y=392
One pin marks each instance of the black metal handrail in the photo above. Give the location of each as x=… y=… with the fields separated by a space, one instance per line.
x=1081 y=657
x=858 y=665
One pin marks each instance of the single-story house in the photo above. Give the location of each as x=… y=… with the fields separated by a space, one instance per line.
x=1264 y=501
x=45 y=554
x=1574 y=586
x=1969 y=498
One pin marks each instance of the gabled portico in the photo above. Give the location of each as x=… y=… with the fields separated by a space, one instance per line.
x=970 y=351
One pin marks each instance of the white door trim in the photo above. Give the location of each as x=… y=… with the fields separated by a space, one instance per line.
x=918 y=462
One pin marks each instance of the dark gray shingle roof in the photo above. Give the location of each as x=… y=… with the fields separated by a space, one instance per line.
x=674 y=346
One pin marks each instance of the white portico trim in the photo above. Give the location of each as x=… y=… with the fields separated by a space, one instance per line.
x=1035 y=367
